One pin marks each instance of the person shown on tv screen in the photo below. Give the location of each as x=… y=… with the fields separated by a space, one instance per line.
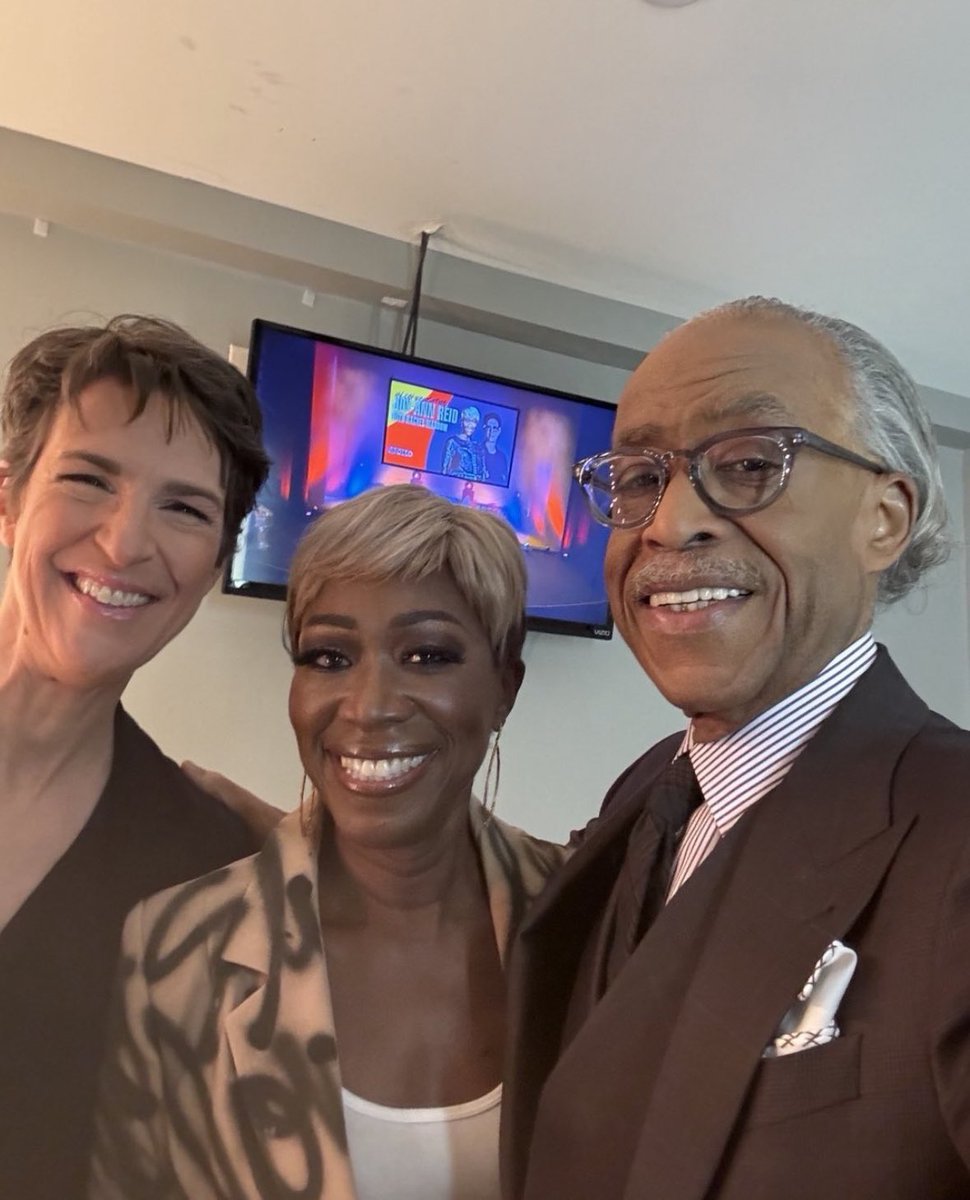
x=463 y=456
x=327 y=1019
x=131 y=453
x=495 y=461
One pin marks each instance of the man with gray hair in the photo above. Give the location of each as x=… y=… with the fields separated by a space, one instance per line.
x=752 y=979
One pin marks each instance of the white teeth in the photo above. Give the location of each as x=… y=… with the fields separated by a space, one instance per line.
x=106 y=595
x=692 y=600
x=380 y=769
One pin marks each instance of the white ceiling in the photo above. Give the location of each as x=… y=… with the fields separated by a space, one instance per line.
x=673 y=157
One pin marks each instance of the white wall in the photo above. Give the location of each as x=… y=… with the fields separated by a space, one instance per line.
x=218 y=694
x=927 y=632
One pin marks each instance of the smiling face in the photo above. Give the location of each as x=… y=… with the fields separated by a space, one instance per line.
x=114 y=537
x=393 y=699
x=800 y=575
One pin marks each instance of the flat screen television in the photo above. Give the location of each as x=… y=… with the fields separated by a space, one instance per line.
x=341 y=418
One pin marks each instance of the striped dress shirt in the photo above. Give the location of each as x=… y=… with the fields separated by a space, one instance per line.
x=735 y=771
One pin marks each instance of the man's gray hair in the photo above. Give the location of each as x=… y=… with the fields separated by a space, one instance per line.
x=890 y=421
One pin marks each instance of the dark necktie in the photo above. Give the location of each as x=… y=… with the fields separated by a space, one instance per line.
x=651 y=850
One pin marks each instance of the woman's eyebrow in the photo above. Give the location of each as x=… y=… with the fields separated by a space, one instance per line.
x=183 y=489
x=340 y=620
x=108 y=465
x=419 y=615
x=172 y=487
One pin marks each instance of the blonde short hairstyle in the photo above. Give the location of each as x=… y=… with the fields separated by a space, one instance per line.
x=406 y=532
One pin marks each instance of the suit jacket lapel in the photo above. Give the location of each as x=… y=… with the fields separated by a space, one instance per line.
x=569 y=890
x=546 y=957
x=814 y=853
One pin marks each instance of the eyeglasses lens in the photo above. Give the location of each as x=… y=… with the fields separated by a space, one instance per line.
x=738 y=474
x=623 y=488
x=743 y=473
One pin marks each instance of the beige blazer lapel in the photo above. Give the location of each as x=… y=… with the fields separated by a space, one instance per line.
x=515 y=867
x=278 y=1087
x=281 y=1086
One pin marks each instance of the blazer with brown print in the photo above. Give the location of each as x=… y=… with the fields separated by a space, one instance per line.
x=222 y=1080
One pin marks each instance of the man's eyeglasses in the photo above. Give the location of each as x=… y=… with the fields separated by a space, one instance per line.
x=735 y=473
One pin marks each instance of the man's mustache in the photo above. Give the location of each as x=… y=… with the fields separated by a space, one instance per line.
x=683 y=573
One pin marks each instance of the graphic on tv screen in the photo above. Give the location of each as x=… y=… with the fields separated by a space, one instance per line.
x=340 y=419
x=467 y=437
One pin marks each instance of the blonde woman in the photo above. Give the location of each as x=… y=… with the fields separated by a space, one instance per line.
x=327 y=1019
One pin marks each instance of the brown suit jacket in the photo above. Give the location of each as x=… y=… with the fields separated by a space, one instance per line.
x=657 y=1089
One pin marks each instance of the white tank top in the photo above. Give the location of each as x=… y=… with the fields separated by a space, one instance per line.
x=424 y=1153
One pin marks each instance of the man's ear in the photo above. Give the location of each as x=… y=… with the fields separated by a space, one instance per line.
x=894 y=504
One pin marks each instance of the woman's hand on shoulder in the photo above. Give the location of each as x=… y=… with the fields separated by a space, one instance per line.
x=262 y=818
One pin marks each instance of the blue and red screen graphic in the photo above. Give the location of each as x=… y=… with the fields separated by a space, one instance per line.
x=466 y=437
x=340 y=419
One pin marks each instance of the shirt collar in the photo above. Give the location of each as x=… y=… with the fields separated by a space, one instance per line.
x=737 y=769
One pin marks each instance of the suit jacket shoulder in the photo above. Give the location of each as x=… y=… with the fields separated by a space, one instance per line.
x=629 y=787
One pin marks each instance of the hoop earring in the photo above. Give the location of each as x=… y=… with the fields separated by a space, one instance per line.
x=308 y=811
x=493 y=776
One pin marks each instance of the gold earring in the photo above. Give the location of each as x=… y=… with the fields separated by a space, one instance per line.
x=308 y=811
x=493 y=776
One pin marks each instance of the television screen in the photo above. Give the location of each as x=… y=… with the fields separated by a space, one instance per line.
x=341 y=418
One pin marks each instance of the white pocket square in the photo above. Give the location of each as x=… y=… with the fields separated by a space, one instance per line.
x=811 y=1019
